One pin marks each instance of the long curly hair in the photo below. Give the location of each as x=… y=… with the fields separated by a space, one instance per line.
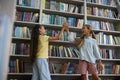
x=34 y=42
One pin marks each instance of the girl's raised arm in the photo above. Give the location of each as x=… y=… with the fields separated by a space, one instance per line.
x=60 y=34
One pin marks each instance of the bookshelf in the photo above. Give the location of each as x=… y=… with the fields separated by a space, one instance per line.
x=52 y=16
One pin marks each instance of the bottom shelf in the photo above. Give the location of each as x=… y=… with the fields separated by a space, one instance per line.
x=27 y=76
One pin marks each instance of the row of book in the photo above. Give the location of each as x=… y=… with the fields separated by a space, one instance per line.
x=27 y=16
x=19 y=48
x=108 y=39
x=59 y=20
x=62 y=68
x=30 y=3
x=110 y=53
x=55 y=33
x=73 y=22
x=21 y=32
x=25 y=32
x=19 y=66
x=60 y=51
x=101 y=25
x=104 y=2
x=96 y=11
x=110 y=69
x=65 y=7
x=73 y=68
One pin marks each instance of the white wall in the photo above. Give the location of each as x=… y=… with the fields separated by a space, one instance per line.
x=7 y=8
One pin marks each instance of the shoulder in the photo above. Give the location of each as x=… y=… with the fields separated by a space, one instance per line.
x=43 y=36
x=46 y=36
x=93 y=40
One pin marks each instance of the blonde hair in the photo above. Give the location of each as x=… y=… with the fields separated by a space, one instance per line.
x=81 y=40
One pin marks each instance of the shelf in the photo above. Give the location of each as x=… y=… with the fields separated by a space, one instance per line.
x=53 y=26
x=109 y=75
x=23 y=23
x=117 y=33
x=64 y=58
x=76 y=59
x=61 y=13
x=91 y=4
x=100 y=18
x=118 y=60
x=15 y=39
x=75 y=29
x=106 y=75
x=19 y=55
x=65 y=43
x=77 y=2
x=27 y=8
x=57 y=42
x=109 y=46
x=58 y=27
x=67 y=75
x=48 y=26
x=19 y=74
x=70 y=58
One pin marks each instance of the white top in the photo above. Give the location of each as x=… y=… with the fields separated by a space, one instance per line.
x=89 y=51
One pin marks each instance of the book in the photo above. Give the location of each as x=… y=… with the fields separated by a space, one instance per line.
x=57 y=67
x=65 y=68
x=80 y=23
x=117 y=28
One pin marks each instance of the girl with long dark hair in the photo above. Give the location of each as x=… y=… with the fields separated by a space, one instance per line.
x=39 y=52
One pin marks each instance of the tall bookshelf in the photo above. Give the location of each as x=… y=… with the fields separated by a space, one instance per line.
x=51 y=14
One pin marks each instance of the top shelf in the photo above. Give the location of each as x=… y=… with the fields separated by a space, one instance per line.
x=77 y=15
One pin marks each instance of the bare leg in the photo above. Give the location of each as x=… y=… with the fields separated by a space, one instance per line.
x=83 y=77
x=95 y=77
